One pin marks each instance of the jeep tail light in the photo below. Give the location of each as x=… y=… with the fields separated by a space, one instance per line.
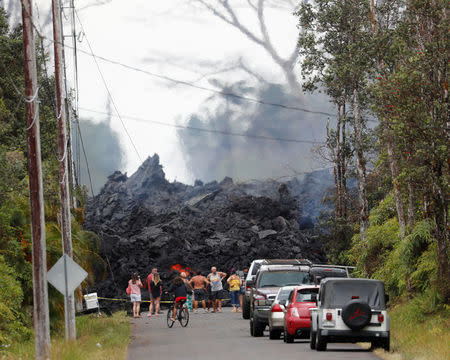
x=277 y=308
x=380 y=318
x=329 y=316
x=248 y=287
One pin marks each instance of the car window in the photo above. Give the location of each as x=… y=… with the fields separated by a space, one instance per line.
x=343 y=292
x=304 y=295
x=283 y=294
x=282 y=278
x=255 y=268
x=291 y=295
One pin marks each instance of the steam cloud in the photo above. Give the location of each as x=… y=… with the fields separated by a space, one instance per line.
x=212 y=156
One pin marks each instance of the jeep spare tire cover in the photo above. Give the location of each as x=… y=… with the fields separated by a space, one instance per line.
x=356 y=314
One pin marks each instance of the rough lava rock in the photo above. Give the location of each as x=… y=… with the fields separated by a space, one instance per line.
x=145 y=221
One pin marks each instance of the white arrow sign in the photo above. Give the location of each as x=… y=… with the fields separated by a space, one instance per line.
x=66 y=271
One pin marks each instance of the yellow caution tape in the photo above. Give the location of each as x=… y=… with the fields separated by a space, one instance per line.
x=144 y=301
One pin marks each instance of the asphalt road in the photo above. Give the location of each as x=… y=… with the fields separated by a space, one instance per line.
x=222 y=336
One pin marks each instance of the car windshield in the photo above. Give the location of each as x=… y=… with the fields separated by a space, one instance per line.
x=283 y=278
x=305 y=295
x=343 y=292
x=283 y=295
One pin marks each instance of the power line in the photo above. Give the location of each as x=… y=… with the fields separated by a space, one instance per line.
x=182 y=82
x=106 y=86
x=214 y=131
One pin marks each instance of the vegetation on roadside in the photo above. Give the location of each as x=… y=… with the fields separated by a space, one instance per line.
x=388 y=61
x=99 y=338
x=16 y=297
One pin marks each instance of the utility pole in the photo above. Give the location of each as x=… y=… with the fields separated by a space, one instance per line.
x=41 y=316
x=64 y=174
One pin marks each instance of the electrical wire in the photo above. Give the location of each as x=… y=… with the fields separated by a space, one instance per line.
x=186 y=83
x=214 y=131
x=106 y=87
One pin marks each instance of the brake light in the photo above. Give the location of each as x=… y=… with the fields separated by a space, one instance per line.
x=277 y=308
x=380 y=318
x=248 y=287
x=355 y=297
x=329 y=316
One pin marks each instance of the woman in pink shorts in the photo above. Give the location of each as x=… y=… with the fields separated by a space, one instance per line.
x=135 y=295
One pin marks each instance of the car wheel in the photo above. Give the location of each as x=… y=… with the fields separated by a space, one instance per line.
x=321 y=342
x=289 y=338
x=246 y=310
x=258 y=328
x=386 y=343
x=251 y=328
x=312 y=340
x=274 y=334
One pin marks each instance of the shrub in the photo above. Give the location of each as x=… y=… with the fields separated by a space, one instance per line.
x=12 y=326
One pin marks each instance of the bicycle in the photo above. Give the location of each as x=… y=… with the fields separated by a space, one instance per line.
x=182 y=316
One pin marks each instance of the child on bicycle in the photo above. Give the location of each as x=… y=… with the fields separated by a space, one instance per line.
x=180 y=294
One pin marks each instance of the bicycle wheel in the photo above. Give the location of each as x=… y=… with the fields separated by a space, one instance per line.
x=170 y=322
x=183 y=317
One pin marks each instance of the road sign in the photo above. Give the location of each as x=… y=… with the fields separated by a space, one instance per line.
x=66 y=271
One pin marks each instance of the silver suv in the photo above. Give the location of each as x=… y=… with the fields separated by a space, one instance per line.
x=253 y=270
x=264 y=289
x=350 y=310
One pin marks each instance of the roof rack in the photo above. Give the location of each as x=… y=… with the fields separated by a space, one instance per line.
x=286 y=262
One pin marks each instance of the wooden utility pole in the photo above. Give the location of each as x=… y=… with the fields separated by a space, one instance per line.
x=41 y=317
x=61 y=114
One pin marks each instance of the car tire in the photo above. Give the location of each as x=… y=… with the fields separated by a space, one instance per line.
x=386 y=343
x=312 y=340
x=274 y=334
x=289 y=338
x=258 y=328
x=246 y=310
x=356 y=314
x=321 y=342
x=251 y=328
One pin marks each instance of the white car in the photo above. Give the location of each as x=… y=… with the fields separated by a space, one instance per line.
x=350 y=310
x=276 y=317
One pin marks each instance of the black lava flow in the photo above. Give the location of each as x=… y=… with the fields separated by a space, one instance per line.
x=144 y=221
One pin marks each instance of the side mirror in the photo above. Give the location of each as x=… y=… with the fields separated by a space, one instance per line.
x=386 y=298
x=283 y=302
x=317 y=280
x=314 y=298
x=249 y=283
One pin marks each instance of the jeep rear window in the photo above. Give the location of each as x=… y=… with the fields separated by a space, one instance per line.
x=343 y=292
x=283 y=278
x=306 y=295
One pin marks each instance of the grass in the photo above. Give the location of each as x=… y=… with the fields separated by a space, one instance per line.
x=98 y=338
x=417 y=335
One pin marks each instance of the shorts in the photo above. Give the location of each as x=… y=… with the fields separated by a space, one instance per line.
x=199 y=295
x=215 y=295
x=135 y=297
x=181 y=299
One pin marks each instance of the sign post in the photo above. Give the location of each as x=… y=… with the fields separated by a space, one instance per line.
x=66 y=275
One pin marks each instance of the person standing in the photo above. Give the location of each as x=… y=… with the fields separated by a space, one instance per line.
x=234 y=282
x=135 y=295
x=215 y=278
x=149 y=280
x=199 y=283
x=155 y=288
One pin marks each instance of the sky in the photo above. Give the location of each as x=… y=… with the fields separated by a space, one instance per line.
x=175 y=38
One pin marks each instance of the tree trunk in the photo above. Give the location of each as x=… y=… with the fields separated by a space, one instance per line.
x=395 y=172
x=344 y=165
x=361 y=168
x=411 y=205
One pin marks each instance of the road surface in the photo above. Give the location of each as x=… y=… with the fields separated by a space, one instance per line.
x=222 y=336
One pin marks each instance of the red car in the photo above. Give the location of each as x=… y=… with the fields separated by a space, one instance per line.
x=297 y=321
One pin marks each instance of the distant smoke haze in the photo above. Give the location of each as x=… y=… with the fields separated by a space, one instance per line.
x=212 y=156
